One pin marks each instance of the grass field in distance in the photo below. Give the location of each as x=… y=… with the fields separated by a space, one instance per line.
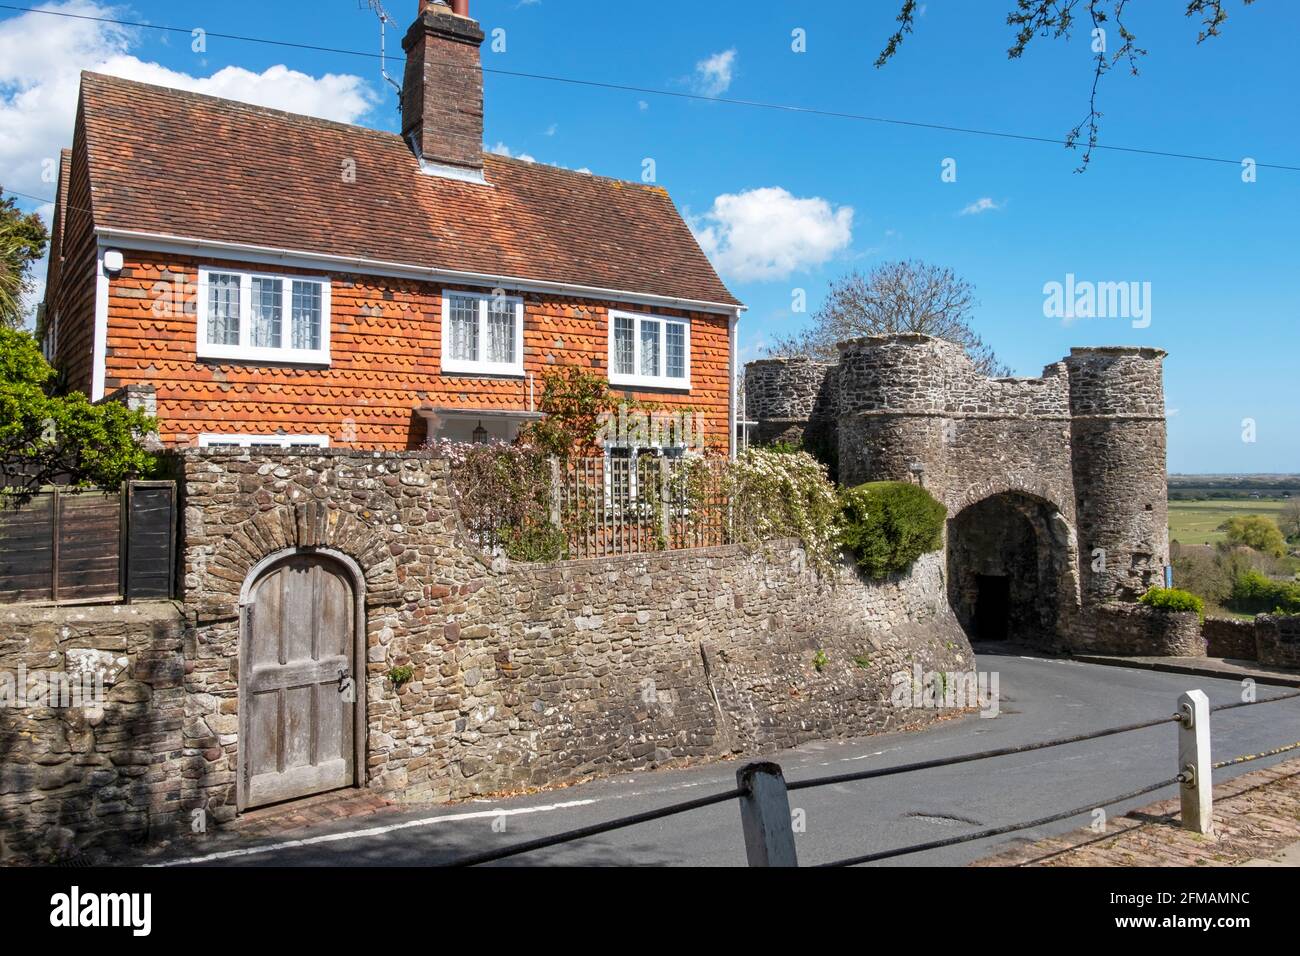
x=1196 y=522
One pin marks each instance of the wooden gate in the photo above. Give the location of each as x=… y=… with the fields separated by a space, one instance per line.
x=298 y=693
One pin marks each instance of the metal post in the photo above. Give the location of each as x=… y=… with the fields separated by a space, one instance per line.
x=765 y=815
x=555 y=492
x=1194 y=766
x=665 y=506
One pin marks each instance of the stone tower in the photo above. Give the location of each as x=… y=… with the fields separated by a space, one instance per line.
x=1117 y=424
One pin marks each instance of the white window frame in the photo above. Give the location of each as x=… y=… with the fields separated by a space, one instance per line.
x=208 y=439
x=479 y=365
x=51 y=344
x=661 y=380
x=246 y=352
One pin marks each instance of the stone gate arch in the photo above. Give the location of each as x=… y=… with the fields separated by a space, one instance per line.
x=1012 y=564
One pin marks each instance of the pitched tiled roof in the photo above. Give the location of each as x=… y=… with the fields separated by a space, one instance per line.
x=184 y=164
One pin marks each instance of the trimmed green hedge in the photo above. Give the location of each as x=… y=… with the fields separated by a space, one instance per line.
x=1172 y=600
x=889 y=524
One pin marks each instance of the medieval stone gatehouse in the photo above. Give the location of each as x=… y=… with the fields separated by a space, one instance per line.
x=1055 y=486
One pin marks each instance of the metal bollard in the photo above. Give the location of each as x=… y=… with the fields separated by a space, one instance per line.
x=1194 y=766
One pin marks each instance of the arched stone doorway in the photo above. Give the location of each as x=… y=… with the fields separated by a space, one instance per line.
x=1011 y=570
x=301 y=712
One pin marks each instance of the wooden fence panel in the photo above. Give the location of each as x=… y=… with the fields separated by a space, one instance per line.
x=27 y=551
x=89 y=542
x=150 y=540
x=84 y=546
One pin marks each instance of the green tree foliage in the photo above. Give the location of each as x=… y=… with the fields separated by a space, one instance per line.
x=44 y=437
x=1203 y=571
x=1255 y=531
x=889 y=524
x=573 y=400
x=22 y=243
x=1255 y=592
x=1173 y=600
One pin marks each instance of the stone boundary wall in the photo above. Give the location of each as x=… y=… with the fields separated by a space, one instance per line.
x=1135 y=630
x=530 y=675
x=525 y=675
x=1270 y=639
x=1229 y=637
x=1278 y=639
x=76 y=778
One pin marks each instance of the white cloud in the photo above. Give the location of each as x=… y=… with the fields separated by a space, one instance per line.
x=501 y=149
x=642 y=105
x=713 y=74
x=984 y=204
x=768 y=233
x=552 y=129
x=41 y=59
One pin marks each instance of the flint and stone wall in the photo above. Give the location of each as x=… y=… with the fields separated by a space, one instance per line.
x=524 y=675
x=79 y=776
x=1135 y=630
x=527 y=675
x=1229 y=637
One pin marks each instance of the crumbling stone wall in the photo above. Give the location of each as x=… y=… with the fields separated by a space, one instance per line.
x=76 y=778
x=795 y=401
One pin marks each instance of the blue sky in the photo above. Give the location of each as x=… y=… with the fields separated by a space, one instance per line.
x=786 y=201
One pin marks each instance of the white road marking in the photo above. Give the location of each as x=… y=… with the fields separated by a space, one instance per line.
x=371 y=831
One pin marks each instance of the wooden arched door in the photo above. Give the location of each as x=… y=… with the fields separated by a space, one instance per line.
x=297 y=686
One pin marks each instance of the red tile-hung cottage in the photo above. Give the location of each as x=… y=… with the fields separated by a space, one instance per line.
x=279 y=279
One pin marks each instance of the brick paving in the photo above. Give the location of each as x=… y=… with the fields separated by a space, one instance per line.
x=301 y=814
x=1256 y=816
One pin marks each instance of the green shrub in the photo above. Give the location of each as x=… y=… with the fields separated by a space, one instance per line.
x=1255 y=592
x=533 y=542
x=889 y=524
x=45 y=436
x=1173 y=600
x=401 y=674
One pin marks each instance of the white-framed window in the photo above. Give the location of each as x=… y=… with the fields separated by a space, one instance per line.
x=482 y=333
x=50 y=347
x=263 y=317
x=263 y=441
x=652 y=351
x=624 y=467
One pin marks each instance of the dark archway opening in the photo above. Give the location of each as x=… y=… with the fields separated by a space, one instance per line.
x=1006 y=564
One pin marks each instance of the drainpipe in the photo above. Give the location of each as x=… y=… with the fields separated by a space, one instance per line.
x=731 y=404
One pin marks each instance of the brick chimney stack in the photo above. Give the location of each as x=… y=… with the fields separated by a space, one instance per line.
x=442 y=91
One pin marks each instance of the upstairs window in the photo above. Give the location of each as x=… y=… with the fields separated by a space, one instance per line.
x=649 y=351
x=482 y=334
x=248 y=316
